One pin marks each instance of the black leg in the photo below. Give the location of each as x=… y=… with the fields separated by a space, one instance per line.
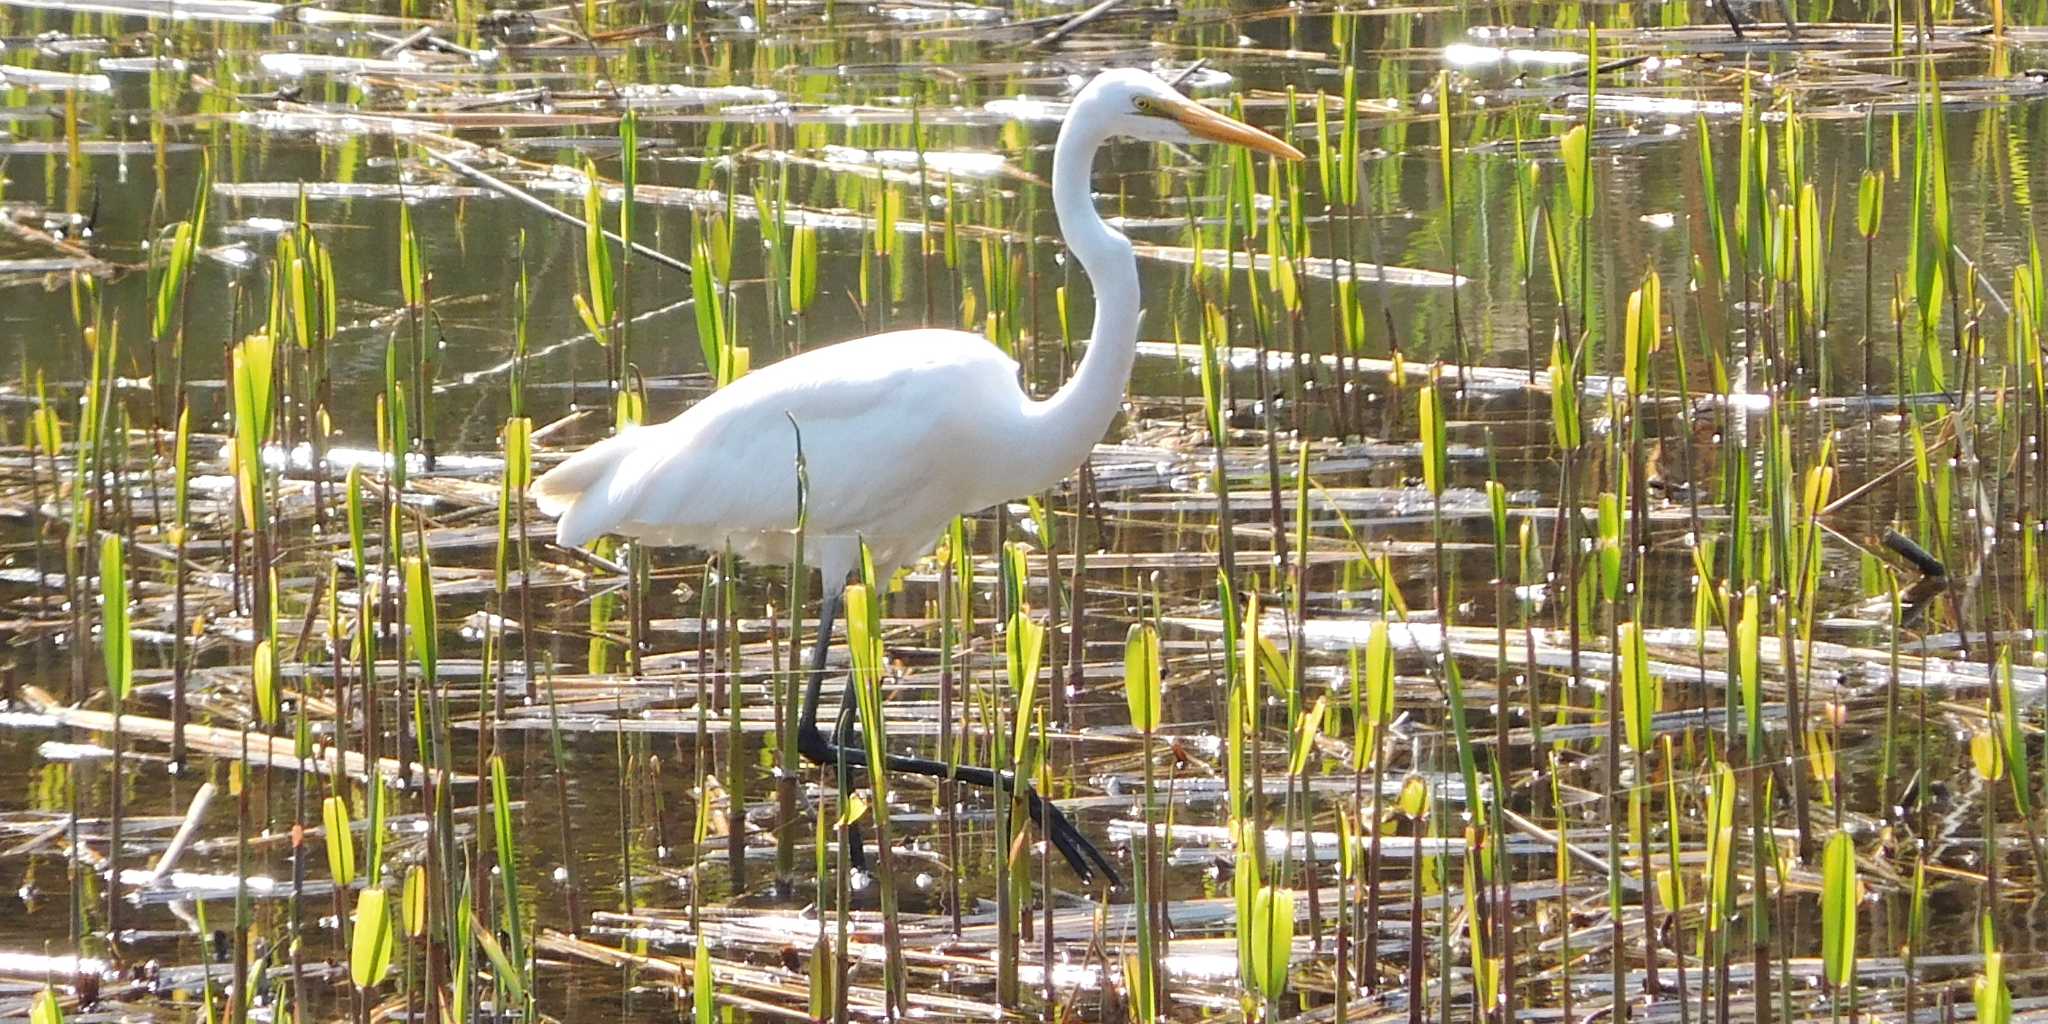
x=1080 y=854
x=809 y=741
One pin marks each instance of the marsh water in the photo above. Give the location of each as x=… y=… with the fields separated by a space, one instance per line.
x=819 y=171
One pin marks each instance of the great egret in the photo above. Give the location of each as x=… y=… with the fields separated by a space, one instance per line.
x=900 y=432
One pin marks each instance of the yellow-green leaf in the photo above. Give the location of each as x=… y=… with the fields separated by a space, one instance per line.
x=369 y=958
x=117 y=643
x=264 y=680
x=1435 y=454
x=1272 y=945
x=44 y=1009
x=341 y=850
x=1840 y=891
x=1142 y=677
x=414 y=899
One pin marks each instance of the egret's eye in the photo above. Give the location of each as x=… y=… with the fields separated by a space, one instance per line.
x=1146 y=106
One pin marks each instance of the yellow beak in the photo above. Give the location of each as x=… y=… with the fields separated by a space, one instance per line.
x=1215 y=127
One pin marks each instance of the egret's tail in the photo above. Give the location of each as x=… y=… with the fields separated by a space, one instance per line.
x=578 y=492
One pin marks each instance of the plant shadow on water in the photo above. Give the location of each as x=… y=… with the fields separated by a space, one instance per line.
x=1577 y=533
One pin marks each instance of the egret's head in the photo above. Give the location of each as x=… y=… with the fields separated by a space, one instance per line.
x=1137 y=104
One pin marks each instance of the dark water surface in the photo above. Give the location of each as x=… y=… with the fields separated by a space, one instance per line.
x=745 y=106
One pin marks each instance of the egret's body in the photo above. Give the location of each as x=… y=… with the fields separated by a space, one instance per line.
x=899 y=432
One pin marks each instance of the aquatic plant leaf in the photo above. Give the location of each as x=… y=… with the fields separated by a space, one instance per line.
x=597 y=256
x=1026 y=642
x=254 y=361
x=508 y=859
x=422 y=623
x=803 y=268
x=1379 y=675
x=1720 y=843
x=411 y=264
x=1993 y=998
x=1645 y=312
x=1576 y=157
x=629 y=179
x=44 y=1009
x=1610 y=543
x=117 y=641
x=1414 y=796
x=1142 y=676
x=1566 y=429
x=1985 y=756
x=703 y=994
x=503 y=969
x=369 y=958
x=1840 y=891
x=1639 y=686
x=1435 y=448
x=1870 y=203
x=413 y=901
x=1305 y=737
x=263 y=679
x=709 y=306
x=341 y=849
x=1272 y=944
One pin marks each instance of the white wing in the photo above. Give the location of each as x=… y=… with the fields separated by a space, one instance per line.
x=896 y=431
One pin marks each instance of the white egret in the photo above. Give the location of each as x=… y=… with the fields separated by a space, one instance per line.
x=900 y=432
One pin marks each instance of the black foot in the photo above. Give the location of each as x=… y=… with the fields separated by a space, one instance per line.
x=1080 y=854
x=856 y=853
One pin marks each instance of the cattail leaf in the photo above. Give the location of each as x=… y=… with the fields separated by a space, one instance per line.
x=629 y=178
x=1576 y=154
x=1026 y=642
x=703 y=994
x=1985 y=756
x=373 y=839
x=503 y=969
x=173 y=281
x=412 y=275
x=1485 y=966
x=1840 y=891
x=1272 y=942
x=1435 y=450
x=1414 y=796
x=855 y=810
x=1639 y=686
x=590 y=320
x=413 y=899
x=1748 y=673
x=341 y=849
x=263 y=675
x=1993 y=998
x=803 y=269
x=422 y=624
x=117 y=641
x=43 y=1009
x=597 y=257
x=1142 y=682
x=1379 y=675
x=1305 y=737
x=369 y=957
x=1565 y=427
x=1610 y=543
x=1720 y=844
x=2012 y=742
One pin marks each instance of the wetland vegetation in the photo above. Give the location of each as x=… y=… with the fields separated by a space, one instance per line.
x=1572 y=549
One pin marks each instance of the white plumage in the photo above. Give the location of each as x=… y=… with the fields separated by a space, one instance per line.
x=900 y=432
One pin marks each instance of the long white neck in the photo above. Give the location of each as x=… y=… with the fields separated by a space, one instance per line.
x=1067 y=425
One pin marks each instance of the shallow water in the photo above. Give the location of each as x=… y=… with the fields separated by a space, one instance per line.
x=804 y=117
